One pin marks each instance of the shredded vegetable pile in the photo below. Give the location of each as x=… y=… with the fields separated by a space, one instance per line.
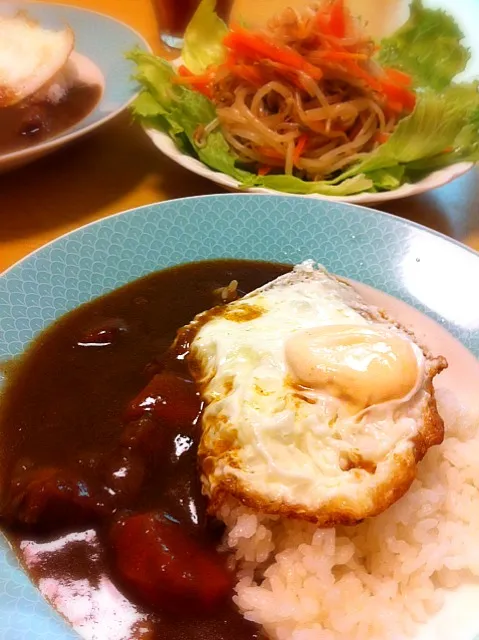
x=305 y=97
x=311 y=104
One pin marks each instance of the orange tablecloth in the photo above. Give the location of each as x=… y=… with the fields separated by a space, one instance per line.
x=117 y=168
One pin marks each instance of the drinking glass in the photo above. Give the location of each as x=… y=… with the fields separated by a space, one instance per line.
x=174 y=16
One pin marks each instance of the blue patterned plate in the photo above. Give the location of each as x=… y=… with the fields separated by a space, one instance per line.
x=103 y=41
x=419 y=267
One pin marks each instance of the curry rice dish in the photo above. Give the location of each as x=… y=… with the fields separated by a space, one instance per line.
x=307 y=410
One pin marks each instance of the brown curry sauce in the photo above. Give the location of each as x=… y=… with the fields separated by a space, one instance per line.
x=28 y=123
x=100 y=489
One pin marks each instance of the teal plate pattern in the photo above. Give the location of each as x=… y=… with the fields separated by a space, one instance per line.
x=423 y=268
x=99 y=37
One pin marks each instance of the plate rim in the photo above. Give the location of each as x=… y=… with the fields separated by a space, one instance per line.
x=377 y=212
x=66 y=136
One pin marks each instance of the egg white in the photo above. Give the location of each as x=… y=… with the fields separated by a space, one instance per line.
x=275 y=443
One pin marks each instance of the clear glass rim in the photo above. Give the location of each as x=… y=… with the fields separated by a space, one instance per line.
x=173 y=42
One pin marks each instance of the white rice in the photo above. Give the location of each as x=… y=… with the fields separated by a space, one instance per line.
x=57 y=88
x=379 y=579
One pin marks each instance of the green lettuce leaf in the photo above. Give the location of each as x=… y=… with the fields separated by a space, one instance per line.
x=464 y=100
x=216 y=154
x=290 y=184
x=432 y=127
x=475 y=118
x=428 y=47
x=441 y=131
x=387 y=179
x=179 y=111
x=466 y=97
x=203 y=39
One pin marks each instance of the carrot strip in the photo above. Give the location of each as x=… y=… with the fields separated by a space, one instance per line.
x=323 y=22
x=183 y=71
x=194 y=80
x=290 y=74
x=259 y=47
x=269 y=152
x=299 y=148
x=186 y=77
x=398 y=97
x=206 y=91
x=333 y=22
x=355 y=70
x=398 y=77
x=331 y=54
x=401 y=95
x=337 y=19
x=395 y=107
x=264 y=170
x=200 y=83
x=381 y=137
x=247 y=72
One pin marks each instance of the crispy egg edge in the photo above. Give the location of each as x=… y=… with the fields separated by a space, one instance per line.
x=340 y=510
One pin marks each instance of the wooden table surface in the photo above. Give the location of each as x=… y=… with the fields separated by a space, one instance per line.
x=118 y=168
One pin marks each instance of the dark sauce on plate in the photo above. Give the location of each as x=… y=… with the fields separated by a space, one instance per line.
x=26 y=124
x=99 y=429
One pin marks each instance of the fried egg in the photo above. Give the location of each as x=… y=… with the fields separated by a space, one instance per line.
x=30 y=57
x=317 y=405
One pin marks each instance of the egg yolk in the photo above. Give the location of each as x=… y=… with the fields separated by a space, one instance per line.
x=363 y=365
